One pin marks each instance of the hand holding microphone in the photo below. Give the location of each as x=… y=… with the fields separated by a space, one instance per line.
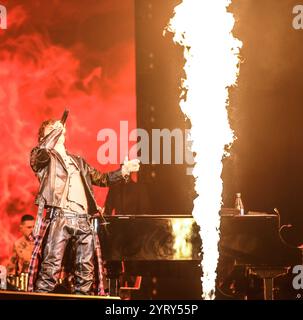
x=60 y=124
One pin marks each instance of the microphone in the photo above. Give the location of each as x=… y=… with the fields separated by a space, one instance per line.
x=64 y=116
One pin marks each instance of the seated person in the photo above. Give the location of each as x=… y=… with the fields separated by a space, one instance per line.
x=23 y=247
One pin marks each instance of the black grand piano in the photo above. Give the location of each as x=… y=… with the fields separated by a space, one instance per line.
x=155 y=244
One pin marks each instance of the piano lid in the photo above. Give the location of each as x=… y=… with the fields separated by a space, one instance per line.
x=252 y=239
x=150 y=237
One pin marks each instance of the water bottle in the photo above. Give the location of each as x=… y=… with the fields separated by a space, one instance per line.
x=2 y=278
x=239 y=204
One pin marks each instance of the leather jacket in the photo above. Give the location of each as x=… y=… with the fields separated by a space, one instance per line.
x=48 y=164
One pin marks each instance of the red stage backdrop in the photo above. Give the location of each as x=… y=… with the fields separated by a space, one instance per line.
x=79 y=54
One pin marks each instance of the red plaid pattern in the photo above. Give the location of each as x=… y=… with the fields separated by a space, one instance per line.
x=37 y=254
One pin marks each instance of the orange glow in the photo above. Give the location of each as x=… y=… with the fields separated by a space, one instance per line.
x=182 y=231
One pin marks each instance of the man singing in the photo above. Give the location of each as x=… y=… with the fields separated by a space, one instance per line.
x=66 y=192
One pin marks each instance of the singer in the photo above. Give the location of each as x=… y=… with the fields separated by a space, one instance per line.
x=66 y=193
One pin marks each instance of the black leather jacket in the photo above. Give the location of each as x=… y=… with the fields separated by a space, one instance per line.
x=47 y=164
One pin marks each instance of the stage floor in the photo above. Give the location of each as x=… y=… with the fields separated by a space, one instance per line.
x=16 y=295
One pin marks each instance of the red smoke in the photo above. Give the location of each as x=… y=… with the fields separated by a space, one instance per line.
x=76 y=54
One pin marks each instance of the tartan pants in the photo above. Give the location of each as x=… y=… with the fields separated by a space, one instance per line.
x=64 y=227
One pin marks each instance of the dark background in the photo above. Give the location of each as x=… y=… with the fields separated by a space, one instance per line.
x=265 y=109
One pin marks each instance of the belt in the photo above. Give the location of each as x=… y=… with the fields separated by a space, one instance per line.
x=72 y=214
x=62 y=212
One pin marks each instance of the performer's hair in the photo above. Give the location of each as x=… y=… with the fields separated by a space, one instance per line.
x=44 y=124
x=27 y=217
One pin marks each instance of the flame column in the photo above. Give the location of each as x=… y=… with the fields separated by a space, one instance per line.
x=204 y=29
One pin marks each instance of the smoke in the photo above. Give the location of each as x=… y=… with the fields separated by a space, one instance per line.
x=52 y=56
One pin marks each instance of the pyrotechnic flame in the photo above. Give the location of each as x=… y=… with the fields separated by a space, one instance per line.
x=211 y=54
x=182 y=231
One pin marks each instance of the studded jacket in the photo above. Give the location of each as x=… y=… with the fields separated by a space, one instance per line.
x=48 y=164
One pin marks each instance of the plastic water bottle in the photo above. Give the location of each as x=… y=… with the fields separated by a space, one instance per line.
x=239 y=204
x=2 y=278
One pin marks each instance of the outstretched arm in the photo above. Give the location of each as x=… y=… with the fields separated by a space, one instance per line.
x=107 y=179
